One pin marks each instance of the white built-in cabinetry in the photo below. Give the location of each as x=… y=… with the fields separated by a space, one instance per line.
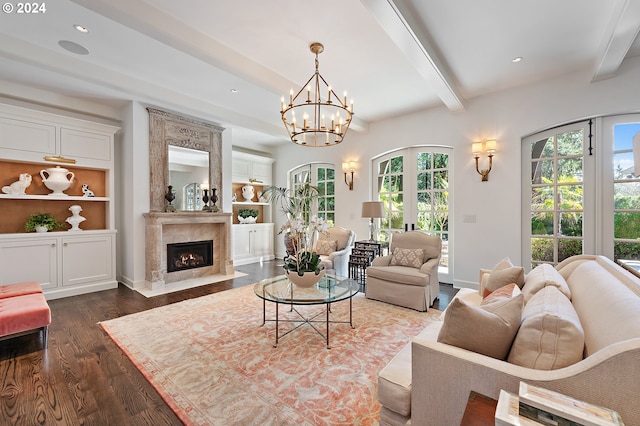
x=251 y=242
x=64 y=262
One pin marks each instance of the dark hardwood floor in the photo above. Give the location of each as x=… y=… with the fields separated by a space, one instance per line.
x=83 y=378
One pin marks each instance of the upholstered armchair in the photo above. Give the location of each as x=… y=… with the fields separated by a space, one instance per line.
x=408 y=276
x=334 y=249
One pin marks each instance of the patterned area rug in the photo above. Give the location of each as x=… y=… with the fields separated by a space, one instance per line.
x=213 y=362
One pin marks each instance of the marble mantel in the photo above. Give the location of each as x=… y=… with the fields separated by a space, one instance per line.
x=183 y=226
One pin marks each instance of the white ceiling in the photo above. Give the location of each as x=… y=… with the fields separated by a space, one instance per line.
x=392 y=56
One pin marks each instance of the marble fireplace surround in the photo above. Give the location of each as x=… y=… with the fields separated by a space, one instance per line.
x=164 y=228
x=179 y=227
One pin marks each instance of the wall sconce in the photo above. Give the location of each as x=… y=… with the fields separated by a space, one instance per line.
x=346 y=168
x=490 y=148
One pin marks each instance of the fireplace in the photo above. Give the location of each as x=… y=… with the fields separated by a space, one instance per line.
x=191 y=255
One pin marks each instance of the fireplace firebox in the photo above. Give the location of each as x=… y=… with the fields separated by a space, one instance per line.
x=190 y=255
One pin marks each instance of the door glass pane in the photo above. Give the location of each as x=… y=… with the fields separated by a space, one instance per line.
x=626 y=190
x=557 y=203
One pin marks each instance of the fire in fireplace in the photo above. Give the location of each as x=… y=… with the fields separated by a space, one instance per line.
x=195 y=254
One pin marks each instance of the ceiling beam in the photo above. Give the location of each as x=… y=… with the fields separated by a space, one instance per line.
x=414 y=45
x=622 y=30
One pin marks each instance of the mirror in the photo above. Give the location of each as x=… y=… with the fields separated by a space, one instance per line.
x=189 y=176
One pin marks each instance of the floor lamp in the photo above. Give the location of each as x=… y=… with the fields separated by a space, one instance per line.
x=372 y=209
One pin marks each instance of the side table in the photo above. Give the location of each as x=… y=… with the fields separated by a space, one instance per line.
x=361 y=257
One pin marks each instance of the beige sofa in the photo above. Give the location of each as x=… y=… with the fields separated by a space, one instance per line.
x=428 y=382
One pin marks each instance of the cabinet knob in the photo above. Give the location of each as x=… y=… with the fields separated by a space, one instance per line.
x=65 y=244
x=53 y=245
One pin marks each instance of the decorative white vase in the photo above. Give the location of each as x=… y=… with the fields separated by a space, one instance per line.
x=248 y=192
x=42 y=229
x=75 y=219
x=57 y=179
x=307 y=280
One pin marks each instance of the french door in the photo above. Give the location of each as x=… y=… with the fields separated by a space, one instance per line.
x=415 y=186
x=321 y=175
x=581 y=194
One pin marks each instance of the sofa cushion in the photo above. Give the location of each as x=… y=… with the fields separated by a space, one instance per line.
x=394 y=380
x=19 y=289
x=541 y=276
x=326 y=247
x=413 y=258
x=398 y=274
x=23 y=313
x=550 y=335
x=504 y=273
x=503 y=293
x=604 y=309
x=488 y=329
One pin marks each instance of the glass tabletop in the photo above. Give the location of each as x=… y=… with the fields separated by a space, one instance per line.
x=330 y=288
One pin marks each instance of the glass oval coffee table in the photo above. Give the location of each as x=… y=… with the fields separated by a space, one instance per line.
x=328 y=290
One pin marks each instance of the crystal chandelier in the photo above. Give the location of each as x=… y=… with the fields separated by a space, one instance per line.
x=312 y=120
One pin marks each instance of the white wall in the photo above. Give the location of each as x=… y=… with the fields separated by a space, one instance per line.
x=132 y=173
x=505 y=116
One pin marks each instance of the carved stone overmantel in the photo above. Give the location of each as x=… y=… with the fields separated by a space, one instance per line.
x=169 y=129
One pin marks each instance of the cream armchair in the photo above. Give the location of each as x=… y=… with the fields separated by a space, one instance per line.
x=407 y=277
x=334 y=249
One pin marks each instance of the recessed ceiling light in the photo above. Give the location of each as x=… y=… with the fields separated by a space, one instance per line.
x=516 y=59
x=81 y=28
x=234 y=90
x=73 y=47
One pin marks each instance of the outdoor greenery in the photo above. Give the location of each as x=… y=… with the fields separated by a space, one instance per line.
x=432 y=193
x=557 y=202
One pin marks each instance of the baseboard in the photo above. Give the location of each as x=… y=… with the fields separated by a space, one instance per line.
x=465 y=284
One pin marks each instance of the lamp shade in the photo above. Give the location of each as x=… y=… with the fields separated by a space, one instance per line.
x=372 y=209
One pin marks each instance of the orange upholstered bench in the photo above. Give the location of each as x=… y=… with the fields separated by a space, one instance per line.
x=23 y=310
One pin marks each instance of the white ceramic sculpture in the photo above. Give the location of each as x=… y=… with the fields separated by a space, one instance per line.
x=248 y=192
x=75 y=219
x=57 y=179
x=18 y=187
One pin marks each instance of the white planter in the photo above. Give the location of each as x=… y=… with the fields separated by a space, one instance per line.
x=249 y=219
x=42 y=229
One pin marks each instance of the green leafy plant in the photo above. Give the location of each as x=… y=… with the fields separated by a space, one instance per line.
x=248 y=213
x=42 y=219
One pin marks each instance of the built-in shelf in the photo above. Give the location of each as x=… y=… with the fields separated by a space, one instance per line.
x=53 y=198
x=250 y=203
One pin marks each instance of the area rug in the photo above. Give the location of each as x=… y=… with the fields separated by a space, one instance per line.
x=213 y=362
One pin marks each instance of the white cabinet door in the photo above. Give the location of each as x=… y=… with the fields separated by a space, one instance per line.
x=242 y=242
x=251 y=243
x=87 y=260
x=240 y=170
x=261 y=172
x=29 y=260
x=263 y=240
x=81 y=144
x=21 y=137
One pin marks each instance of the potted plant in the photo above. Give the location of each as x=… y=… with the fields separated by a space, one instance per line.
x=248 y=215
x=42 y=222
x=302 y=264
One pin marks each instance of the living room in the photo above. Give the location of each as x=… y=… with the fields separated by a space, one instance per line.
x=486 y=218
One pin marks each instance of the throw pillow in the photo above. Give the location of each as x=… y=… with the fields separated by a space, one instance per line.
x=542 y=276
x=503 y=293
x=488 y=329
x=326 y=247
x=407 y=257
x=502 y=277
x=551 y=335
